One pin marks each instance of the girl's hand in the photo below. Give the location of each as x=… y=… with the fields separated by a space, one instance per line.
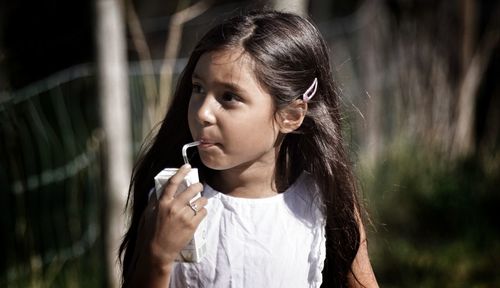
x=170 y=222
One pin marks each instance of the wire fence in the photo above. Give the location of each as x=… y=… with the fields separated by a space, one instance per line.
x=51 y=178
x=50 y=174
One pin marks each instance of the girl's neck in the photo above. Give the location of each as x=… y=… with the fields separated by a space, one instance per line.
x=256 y=180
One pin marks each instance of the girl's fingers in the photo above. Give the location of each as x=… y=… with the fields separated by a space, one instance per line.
x=193 y=208
x=175 y=181
x=202 y=211
x=199 y=216
x=188 y=194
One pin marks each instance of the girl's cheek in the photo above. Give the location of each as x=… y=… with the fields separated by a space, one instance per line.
x=192 y=109
x=191 y=119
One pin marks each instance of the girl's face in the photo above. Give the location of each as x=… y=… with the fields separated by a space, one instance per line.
x=230 y=112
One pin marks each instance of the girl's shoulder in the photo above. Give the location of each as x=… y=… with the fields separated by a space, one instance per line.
x=306 y=189
x=304 y=199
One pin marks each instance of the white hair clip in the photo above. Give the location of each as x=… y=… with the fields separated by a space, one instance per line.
x=309 y=94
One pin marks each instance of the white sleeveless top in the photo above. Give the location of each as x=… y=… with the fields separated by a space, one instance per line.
x=277 y=241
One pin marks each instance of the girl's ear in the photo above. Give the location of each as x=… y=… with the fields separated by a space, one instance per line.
x=290 y=118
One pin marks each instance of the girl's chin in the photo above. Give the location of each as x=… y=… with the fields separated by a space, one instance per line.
x=212 y=163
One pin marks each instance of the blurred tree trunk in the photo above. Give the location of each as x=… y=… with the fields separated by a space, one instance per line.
x=421 y=88
x=296 y=6
x=464 y=134
x=172 y=48
x=146 y=63
x=476 y=56
x=115 y=117
x=469 y=15
x=375 y=36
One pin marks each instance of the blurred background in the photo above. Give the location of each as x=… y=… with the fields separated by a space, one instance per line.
x=83 y=83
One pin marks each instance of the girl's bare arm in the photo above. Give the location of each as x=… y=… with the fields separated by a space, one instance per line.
x=362 y=273
x=146 y=272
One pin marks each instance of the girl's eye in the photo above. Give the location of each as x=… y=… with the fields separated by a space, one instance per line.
x=229 y=97
x=197 y=88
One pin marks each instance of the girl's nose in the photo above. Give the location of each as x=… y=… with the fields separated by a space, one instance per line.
x=205 y=113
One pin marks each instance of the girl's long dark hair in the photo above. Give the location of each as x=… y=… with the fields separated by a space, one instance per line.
x=288 y=52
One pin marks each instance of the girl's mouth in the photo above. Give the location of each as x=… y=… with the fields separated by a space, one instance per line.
x=205 y=144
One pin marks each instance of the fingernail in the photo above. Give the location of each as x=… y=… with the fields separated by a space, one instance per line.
x=186 y=166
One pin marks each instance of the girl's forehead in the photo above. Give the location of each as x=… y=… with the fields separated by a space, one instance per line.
x=229 y=65
x=228 y=58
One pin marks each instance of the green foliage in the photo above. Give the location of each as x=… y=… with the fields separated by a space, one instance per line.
x=85 y=271
x=436 y=220
x=51 y=183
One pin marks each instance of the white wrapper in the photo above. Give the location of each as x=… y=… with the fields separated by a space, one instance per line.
x=196 y=248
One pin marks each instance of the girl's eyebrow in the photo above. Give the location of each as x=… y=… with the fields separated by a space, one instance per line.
x=196 y=76
x=226 y=85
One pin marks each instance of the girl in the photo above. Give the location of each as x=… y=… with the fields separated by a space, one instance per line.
x=279 y=195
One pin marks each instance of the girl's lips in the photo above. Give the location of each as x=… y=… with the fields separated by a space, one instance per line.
x=206 y=144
